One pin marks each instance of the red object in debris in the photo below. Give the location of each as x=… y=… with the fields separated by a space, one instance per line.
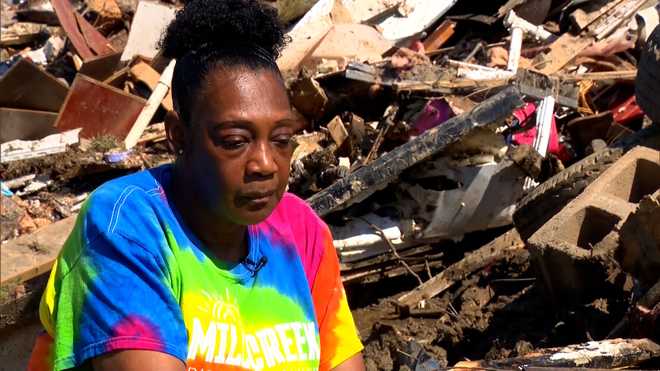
x=627 y=111
x=417 y=46
x=527 y=113
x=440 y=36
x=99 y=109
x=434 y=113
x=86 y=40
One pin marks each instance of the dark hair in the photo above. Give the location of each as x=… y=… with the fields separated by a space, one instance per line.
x=209 y=33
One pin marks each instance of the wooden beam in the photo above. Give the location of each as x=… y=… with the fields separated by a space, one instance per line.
x=33 y=254
x=369 y=179
x=147 y=113
x=440 y=36
x=87 y=41
x=628 y=75
x=472 y=262
x=604 y=354
x=100 y=67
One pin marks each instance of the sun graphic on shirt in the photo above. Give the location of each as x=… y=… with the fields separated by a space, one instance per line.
x=222 y=309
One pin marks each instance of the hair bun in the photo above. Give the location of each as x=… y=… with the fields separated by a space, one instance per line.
x=221 y=24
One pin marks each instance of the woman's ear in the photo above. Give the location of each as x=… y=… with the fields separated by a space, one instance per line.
x=175 y=132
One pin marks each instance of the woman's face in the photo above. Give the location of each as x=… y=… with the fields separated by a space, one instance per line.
x=237 y=147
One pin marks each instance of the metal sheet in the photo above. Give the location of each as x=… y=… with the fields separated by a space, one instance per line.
x=99 y=109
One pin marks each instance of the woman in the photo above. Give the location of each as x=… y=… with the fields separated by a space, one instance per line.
x=206 y=264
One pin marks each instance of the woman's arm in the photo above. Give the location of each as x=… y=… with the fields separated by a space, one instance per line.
x=138 y=360
x=355 y=363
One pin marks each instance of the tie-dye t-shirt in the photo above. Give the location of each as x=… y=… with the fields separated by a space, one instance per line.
x=131 y=276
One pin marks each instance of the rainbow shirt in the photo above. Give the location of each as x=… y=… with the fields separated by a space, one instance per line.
x=131 y=276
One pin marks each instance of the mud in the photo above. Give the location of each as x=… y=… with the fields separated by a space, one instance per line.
x=499 y=312
x=71 y=175
x=76 y=163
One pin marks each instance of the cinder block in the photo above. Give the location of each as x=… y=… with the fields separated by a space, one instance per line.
x=574 y=251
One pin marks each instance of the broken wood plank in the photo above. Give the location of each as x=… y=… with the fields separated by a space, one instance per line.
x=628 y=75
x=86 y=42
x=33 y=254
x=567 y=47
x=99 y=109
x=25 y=124
x=606 y=354
x=146 y=74
x=472 y=262
x=96 y=41
x=27 y=86
x=371 y=178
x=563 y=51
x=119 y=78
x=539 y=86
x=308 y=97
x=440 y=36
x=150 y=108
x=582 y=19
x=604 y=25
x=350 y=42
x=338 y=131
x=153 y=134
x=21 y=33
x=100 y=67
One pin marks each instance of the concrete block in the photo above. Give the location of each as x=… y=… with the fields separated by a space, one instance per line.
x=574 y=251
x=639 y=250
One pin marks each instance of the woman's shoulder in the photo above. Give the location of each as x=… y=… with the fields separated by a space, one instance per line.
x=294 y=210
x=127 y=204
x=297 y=222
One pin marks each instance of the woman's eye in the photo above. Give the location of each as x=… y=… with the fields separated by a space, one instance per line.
x=282 y=140
x=233 y=142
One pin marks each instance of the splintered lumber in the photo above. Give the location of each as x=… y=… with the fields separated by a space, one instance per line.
x=567 y=47
x=472 y=262
x=564 y=50
x=144 y=73
x=605 y=354
x=440 y=36
x=599 y=76
x=377 y=175
x=87 y=41
x=33 y=254
x=149 y=110
x=24 y=266
x=101 y=67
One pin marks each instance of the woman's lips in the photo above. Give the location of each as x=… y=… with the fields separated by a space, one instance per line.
x=258 y=198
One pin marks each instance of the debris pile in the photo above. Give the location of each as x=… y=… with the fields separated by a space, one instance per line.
x=491 y=182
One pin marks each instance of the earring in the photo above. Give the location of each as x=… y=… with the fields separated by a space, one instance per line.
x=180 y=151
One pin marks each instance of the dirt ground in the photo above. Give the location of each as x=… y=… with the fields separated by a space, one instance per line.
x=499 y=312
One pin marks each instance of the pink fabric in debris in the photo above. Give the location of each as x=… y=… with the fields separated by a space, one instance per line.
x=528 y=112
x=435 y=113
